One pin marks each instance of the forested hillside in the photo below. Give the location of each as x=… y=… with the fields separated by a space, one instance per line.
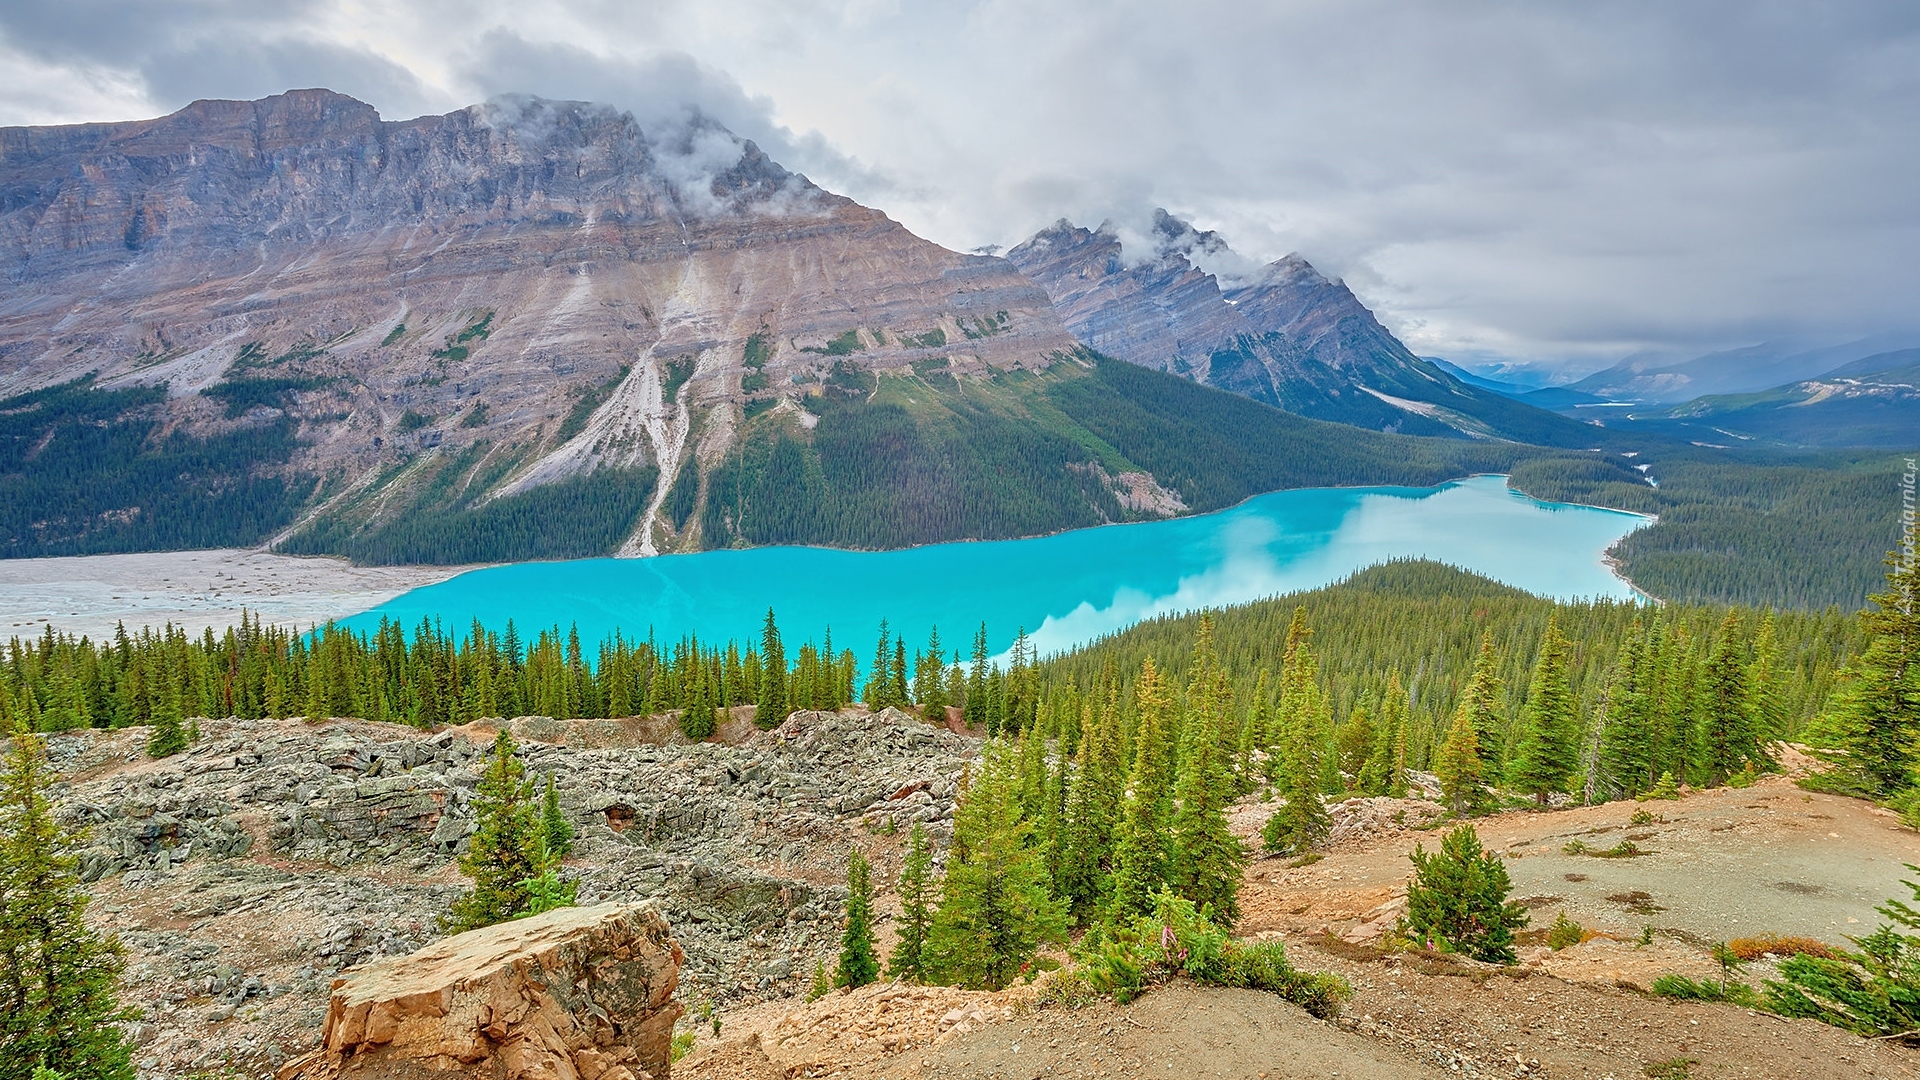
x=1421 y=625
x=1804 y=531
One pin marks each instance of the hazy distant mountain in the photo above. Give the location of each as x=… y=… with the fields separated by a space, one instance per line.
x=1735 y=371
x=1285 y=334
x=1870 y=402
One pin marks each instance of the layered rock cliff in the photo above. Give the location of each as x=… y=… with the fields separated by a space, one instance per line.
x=531 y=289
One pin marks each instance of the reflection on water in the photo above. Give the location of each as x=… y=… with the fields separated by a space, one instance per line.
x=1063 y=589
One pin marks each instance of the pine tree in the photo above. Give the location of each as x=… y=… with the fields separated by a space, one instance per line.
x=858 y=963
x=1084 y=880
x=169 y=735
x=909 y=960
x=505 y=851
x=1626 y=755
x=1385 y=772
x=1300 y=735
x=1207 y=859
x=1873 y=718
x=899 y=693
x=929 y=678
x=555 y=829
x=1140 y=856
x=59 y=981
x=976 y=707
x=1459 y=765
x=770 y=708
x=698 y=720
x=995 y=909
x=1545 y=749
x=1481 y=703
x=1725 y=740
x=1765 y=683
x=875 y=693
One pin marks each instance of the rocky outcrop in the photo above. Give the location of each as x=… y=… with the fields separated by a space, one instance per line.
x=574 y=994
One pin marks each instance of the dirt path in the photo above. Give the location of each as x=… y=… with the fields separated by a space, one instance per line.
x=1716 y=865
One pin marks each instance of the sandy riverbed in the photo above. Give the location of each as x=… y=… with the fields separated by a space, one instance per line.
x=89 y=594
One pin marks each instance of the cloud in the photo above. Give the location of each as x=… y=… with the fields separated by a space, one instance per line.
x=1500 y=180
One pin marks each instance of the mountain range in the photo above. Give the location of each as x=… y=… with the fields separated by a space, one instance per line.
x=532 y=329
x=1285 y=335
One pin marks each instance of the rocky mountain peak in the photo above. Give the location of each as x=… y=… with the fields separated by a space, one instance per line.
x=549 y=284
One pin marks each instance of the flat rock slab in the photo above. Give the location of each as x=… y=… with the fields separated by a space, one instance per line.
x=581 y=993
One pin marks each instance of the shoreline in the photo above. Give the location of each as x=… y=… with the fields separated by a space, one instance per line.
x=209 y=588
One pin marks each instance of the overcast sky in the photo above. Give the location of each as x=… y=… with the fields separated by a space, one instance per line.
x=1559 y=183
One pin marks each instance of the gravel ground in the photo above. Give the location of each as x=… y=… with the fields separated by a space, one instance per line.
x=89 y=594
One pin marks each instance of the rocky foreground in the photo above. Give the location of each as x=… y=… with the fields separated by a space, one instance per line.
x=245 y=874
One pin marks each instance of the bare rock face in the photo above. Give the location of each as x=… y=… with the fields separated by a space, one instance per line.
x=542 y=286
x=579 y=993
x=1283 y=334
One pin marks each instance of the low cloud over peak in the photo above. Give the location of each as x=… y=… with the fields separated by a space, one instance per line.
x=1498 y=181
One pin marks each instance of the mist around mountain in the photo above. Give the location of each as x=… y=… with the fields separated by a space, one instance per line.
x=1870 y=402
x=1745 y=370
x=1282 y=333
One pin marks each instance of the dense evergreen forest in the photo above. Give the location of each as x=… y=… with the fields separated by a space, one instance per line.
x=1801 y=531
x=1403 y=640
x=84 y=471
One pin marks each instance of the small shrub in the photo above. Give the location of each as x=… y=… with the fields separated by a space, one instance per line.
x=1458 y=900
x=1874 y=991
x=1670 y=1069
x=1178 y=939
x=682 y=1044
x=412 y=421
x=1742 y=779
x=1564 y=932
x=1665 y=788
x=1625 y=849
x=1684 y=989
x=475 y=417
x=1643 y=816
x=822 y=983
x=394 y=335
x=1753 y=948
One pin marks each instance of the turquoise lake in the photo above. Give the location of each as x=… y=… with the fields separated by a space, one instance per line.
x=1064 y=589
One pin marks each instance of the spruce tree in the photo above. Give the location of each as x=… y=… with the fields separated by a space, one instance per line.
x=874 y=693
x=1481 y=703
x=59 y=981
x=976 y=707
x=1385 y=772
x=506 y=848
x=859 y=965
x=909 y=960
x=698 y=719
x=1725 y=741
x=1144 y=844
x=1765 y=683
x=555 y=829
x=930 y=678
x=770 y=708
x=1462 y=783
x=1873 y=718
x=1084 y=880
x=169 y=735
x=995 y=908
x=1626 y=756
x=1300 y=734
x=1546 y=744
x=1207 y=857
x=899 y=693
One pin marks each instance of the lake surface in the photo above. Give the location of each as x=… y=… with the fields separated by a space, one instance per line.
x=1064 y=589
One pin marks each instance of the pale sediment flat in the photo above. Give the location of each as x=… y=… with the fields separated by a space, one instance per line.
x=91 y=594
